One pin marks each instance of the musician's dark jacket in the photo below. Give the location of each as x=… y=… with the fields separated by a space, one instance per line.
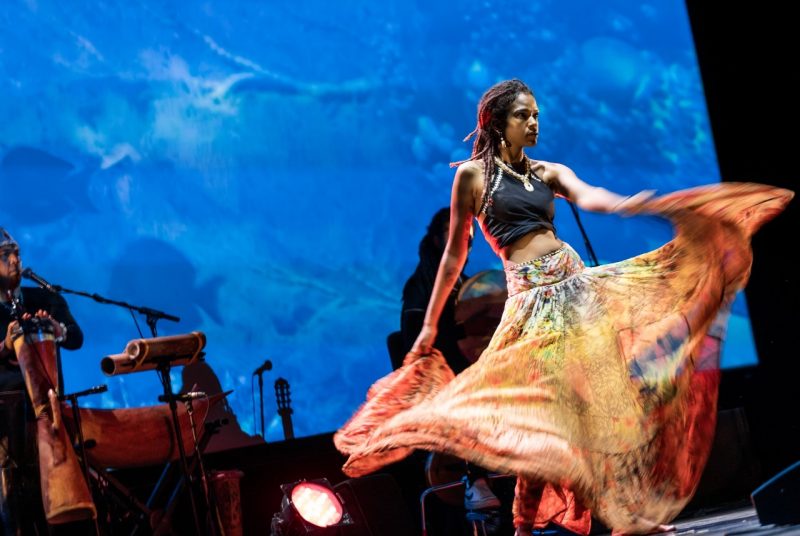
x=35 y=299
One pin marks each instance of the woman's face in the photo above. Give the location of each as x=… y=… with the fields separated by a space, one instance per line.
x=522 y=122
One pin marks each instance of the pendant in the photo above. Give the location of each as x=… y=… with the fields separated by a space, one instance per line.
x=528 y=186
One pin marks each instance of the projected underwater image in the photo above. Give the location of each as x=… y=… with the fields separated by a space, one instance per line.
x=265 y=171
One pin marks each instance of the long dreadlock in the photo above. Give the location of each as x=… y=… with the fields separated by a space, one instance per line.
x=493 y=109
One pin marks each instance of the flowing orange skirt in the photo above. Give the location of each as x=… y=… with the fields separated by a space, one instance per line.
x=600 y=381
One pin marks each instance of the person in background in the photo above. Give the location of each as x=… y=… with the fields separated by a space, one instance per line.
x=417 y=293
x=19 y=479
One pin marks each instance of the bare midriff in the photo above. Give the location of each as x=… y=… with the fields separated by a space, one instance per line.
x=532 y=245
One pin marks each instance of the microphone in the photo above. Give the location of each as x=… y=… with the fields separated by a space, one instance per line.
x=27 y=273
x=184 y=397
x=90 y=391
x=94 y=390
x=267 y=365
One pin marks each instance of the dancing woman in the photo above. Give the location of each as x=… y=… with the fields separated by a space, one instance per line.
x=599 y=386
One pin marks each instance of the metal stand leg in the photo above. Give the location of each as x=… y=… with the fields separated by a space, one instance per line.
x=477 y=519
x=472 y=517
x=162 y=526
x=8 y=506
x=211 y=508
x=424 y=496
x=81 y=450
x=163 y=371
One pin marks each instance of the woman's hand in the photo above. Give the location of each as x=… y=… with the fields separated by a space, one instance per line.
x=424 y=343
x=632 y=204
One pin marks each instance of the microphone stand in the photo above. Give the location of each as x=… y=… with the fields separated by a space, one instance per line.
x=261 y=401
x=152 y=315
x=586 y=241
x=260 y=371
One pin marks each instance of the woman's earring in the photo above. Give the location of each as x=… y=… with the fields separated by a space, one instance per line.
x=503 y=143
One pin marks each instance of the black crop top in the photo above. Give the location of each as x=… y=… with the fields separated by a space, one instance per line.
x=512 y=211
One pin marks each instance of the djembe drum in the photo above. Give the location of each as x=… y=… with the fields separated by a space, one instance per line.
x=479 y=307
x=65 y=494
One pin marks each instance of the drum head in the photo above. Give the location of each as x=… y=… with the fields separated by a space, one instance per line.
x=445 y=469
x=479 y=308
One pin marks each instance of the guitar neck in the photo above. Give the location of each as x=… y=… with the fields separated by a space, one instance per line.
x=288 y=428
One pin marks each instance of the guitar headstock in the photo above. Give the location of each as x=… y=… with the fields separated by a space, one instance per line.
x=282 y=394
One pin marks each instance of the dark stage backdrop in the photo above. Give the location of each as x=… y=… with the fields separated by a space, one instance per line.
x=265 y=171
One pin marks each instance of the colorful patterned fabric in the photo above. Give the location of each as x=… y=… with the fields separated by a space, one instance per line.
x=538 y=504
x=599 y=381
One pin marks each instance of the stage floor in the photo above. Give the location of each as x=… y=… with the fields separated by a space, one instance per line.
x=739 y=522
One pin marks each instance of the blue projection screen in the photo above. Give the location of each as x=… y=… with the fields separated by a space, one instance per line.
x=265 y=170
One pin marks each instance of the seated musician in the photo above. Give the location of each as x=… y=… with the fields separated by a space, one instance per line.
x=417 y=292
x=17 y=444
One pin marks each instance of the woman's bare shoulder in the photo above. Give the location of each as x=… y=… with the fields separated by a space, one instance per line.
x=470 y=172
x=549 y=172
x=468 y=184
x=470 y=167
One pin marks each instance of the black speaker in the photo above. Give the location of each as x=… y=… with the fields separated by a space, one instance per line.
x=377 y=507
x=777 y=501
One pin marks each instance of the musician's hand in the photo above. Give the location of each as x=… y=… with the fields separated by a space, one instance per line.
x=424 y=343
x=9 y=340
x=41 y=313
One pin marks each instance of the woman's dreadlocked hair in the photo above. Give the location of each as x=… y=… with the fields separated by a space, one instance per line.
x=492 y=112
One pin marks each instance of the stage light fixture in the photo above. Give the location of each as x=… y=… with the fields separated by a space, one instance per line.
x=310 y=507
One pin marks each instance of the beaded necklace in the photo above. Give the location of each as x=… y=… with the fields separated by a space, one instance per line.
x=498 y=178
x=526 y=178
